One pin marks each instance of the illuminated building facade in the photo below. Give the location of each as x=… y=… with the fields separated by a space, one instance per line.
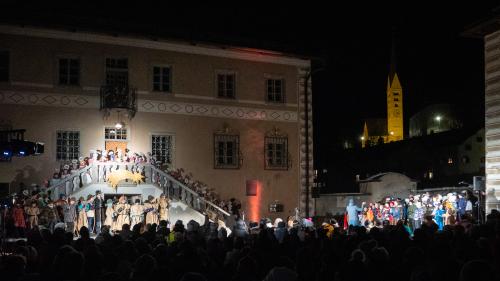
x=225 y=114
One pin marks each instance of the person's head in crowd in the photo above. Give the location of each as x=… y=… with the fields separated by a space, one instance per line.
x=126 y=227
x=477 y=270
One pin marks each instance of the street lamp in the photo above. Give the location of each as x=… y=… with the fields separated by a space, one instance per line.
x=438 y=119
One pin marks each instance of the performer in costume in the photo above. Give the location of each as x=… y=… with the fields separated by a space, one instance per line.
x=122 y=210
x=19 y=221
x=352 y=212
x=82 y=216
x=69 y=210
x=51 y=215
x=136 y=213
x=98 y=210
x=151 y=210
x=33 y=213
x=438 y=216
x=109 y=214
x=164 y=204
x=90 y=212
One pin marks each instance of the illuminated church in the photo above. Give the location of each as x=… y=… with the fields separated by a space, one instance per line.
x=378 y=131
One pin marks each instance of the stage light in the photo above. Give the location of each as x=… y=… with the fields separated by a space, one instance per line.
x=6 y=153
x=22 y=153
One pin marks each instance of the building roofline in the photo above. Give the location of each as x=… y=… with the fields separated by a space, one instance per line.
x=484 y=26
x=131 y=40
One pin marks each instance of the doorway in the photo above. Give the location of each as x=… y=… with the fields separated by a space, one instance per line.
x=115 y=145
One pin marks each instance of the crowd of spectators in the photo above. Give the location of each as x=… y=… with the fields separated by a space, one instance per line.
x=262 y=252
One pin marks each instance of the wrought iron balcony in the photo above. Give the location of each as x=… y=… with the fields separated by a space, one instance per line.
x=119 y=97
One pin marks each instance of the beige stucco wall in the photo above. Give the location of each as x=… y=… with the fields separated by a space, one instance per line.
x=34 y=60
x=33 y=71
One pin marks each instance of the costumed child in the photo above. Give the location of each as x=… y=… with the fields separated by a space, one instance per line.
x=109 y=214
x=33 y=212
x=438 y=216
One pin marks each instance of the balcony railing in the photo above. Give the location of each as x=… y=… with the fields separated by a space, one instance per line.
x=119 y=97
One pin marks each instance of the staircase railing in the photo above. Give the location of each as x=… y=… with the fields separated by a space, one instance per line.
x=69 y=184
x=98 y=172
x=178 y=190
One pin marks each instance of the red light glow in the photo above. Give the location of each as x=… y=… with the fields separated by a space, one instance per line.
x=255 y=186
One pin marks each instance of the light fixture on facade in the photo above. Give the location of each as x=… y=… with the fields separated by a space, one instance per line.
x=438 y=118
x=362 y=138
x=119 y=125
x=392 y=133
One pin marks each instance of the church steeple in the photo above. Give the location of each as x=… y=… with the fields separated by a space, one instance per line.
x=394 y=98
x=392 y=67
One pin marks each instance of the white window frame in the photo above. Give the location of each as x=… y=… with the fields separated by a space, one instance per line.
x=79 y=143
x=58 y=72
x=116 y=57
x=283 y=95
x=113 y=128
x=152 y=77
x=236 y=155
x=173 y=144
x=285 y=157
x=225 y=72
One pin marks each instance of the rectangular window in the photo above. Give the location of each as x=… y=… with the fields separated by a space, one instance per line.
x=162 y=147
x=276 y=153
x=162 y=79
x=275 y=89
x=68 y=145
x=226 y=151
x=69 y=71
x=226 y=85
x=111 y=133
x=117 y=72
x=4 y=66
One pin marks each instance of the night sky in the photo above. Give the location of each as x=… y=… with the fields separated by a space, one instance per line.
x=436 y=64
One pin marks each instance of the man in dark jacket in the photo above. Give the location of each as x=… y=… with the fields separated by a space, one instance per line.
x=98 y=209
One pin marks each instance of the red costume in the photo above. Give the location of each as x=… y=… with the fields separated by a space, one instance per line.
x=18 y=216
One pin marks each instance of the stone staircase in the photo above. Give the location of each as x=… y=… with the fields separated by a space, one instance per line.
x=186 y=204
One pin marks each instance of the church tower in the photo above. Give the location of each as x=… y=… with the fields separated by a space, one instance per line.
x=394 y=101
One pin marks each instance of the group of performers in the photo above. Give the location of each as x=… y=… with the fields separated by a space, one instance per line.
x=93 y=213
x=444 y=210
